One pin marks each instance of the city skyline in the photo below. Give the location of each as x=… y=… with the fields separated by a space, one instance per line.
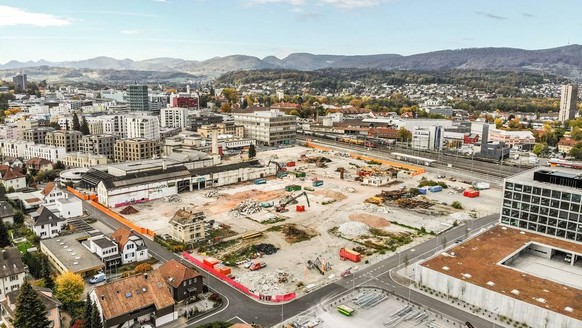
x=199 y=30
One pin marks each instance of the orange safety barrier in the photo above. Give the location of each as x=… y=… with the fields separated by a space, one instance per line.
x=312 y=145
x=122 y=220
x=77 y=193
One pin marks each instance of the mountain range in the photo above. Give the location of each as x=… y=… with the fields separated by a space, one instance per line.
x=564 y=61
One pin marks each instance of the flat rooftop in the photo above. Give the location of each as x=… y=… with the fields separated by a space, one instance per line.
x=74 y=256
x=527 y=177
x=481 y=256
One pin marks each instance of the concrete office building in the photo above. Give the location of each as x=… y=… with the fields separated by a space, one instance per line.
x=135 y=149
x=67 y=139
x=568 y=102
x=138 y=98
x=112 y=124
x=98 y=145
x=51 y=153
x=546 y=201
x=269 y=128
x=428 y=138
x=146 y=127
x=174 y=117
x=20 y=81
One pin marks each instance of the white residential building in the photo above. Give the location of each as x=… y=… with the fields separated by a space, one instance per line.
x=143 y=126
x=174 y=117
x=51 y=153
x=8 y=131
x=113 y=124
x=14 y=148
x=47 y=224
x=131 y=247
x=12 y=271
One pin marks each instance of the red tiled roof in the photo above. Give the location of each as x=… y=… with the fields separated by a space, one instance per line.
x=11 y=174
x=175 y=273
x=568 y=142
x=121 y=236
x=48 y=188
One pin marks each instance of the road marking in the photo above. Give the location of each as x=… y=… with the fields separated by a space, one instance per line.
x=237 y=318
x=212 y=314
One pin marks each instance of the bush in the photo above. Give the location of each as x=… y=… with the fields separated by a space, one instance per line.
x=456 y=204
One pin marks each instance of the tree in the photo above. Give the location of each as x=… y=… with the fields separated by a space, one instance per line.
x=11 y=189
x=143 y=268
x=231 y=94
x=76 y=124
x=69 y=287
x=59 y=165
x=252 y=151
x=45 y=272
x=576 y=133
x=95 y=317
x=18 y=217
x=2 y=192
x=540 y=148
x=404 y=134
x=84 y=127
x=30 y=311
x=4 y=237
x=54 y=125
x=88 y=312
x=576 y=151
x=225 y=108
x=456 y=204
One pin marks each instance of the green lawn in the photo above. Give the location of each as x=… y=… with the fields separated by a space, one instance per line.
x=22 y=247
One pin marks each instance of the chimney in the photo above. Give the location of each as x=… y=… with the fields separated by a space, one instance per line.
x=215 y=142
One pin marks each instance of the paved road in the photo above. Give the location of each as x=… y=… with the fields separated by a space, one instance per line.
x=239 y=306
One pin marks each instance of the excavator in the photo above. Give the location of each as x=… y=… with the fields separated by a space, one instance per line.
x=280 y=170
x=286 y=201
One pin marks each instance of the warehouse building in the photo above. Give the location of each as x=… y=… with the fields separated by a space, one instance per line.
x=67 y=254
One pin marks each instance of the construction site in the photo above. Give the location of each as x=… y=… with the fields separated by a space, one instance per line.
x=321 y=217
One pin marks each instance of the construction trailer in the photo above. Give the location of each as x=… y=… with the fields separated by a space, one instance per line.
x=349 y=254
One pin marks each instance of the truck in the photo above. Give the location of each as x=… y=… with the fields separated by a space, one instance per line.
x=481 y=185
x=260 y=181
x=257 y=266
x=346 y=253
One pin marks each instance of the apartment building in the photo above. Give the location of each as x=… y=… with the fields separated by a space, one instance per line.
x=174 y=117
x=188 y=226
x=143 y=126
x=136 y=149
x=12 y=271
x=36 y=135
x=67 y=139
x=547 y=201
x=14 y=148
x=96 y=127
x=98 y=144
x=51 y=153
x=568 y=102
x=269 y=128
x=228 y=128
x=113 y=124
x=84 y=160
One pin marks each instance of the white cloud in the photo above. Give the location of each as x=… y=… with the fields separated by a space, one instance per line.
x=261 y=2
x=351 y=3
x=129 y=32
x=11 y=16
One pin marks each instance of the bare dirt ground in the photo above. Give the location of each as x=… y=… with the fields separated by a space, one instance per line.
x=334 y=203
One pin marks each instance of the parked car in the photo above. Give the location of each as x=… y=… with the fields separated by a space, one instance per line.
x=100 y=277
x=568 y=258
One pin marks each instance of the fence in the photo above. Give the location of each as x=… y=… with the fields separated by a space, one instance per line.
x=122 y=220
x=242 y=288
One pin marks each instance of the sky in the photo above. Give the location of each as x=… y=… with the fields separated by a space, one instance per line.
x=60 y=30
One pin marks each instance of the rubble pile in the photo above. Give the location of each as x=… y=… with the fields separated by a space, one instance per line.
x=172 y=199
x=268 y=283
x=412 y=203
x=211 y=194
x=247 y=207
x=129 y=210
x=266 y=249
x=353 y=229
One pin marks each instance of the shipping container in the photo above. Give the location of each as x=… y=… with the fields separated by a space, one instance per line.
x=293 y=188
x=300 y=208
x=318 y=183
x=300 y=174
x=210 y=261
x=223 y=269
x=290 y=164
x=435 y=188
x=346 y=253
x=471 y=193
x=260 y=181
x=422 y=191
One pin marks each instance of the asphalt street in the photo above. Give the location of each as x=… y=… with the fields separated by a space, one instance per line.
x=238 y=306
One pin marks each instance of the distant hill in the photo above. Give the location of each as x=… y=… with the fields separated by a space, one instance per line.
x=564 y=61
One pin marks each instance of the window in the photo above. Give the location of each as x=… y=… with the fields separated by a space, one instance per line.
x=13 y=277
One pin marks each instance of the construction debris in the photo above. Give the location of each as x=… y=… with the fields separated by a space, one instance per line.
x=412 y=203
x=129 y=210
x=370 y=220
x=266 y=249
x=211 y=194
x=247 y=207
x=172 y=199
x=353 y=229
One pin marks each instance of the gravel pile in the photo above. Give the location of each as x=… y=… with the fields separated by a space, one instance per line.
x=353 y=229
x=460 y=216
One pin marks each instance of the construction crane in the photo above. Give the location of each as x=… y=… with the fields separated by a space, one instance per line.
x=321 y=266
x=280 y=170
x=284 y=202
